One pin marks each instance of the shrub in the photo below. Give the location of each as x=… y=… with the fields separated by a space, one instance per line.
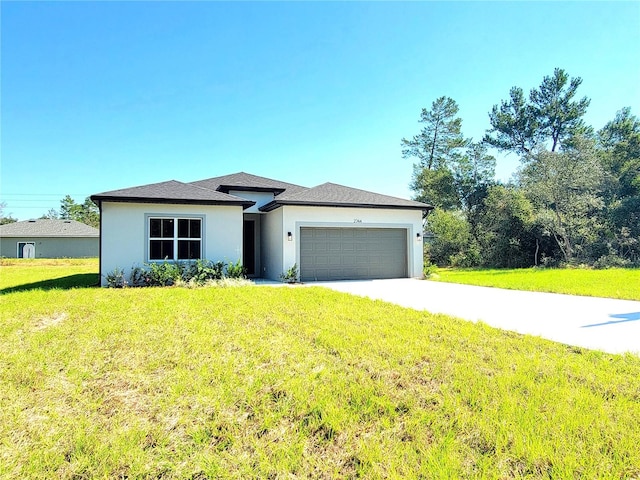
x=202 y=271
x=467 y=258
x=453 y=242
x=235 y=270
x=138 y=277
x=428 y=269
x=115 y=278
x=190 y=274
x=611 y=261
x=291 y=275
x=163 y=274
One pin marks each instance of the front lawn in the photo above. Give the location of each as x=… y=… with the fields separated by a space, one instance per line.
x=621 y=283
x=293 y=382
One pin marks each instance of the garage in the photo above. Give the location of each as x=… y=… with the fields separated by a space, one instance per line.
x=352 y=253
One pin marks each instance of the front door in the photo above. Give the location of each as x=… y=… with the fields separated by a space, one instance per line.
x=249 y=247
x=26 y=250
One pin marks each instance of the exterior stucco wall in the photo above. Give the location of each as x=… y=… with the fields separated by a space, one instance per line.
x=261 y=198
x=124 y=232
x=295 y=217
x=52 y=247
x=272 y=239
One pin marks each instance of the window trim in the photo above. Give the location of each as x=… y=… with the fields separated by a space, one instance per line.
x=175 y=217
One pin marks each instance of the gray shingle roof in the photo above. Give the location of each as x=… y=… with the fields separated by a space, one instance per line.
x=48 y=228
x=246 y=181
x=171 y=192
x=214 y=191
x=333 y=195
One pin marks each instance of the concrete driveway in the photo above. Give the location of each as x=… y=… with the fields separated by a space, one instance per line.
x=597 y=323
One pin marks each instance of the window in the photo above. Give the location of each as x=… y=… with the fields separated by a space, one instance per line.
x=175 y=238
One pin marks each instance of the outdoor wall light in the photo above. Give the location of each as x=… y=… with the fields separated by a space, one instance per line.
x=289 y=236
x=418 y=236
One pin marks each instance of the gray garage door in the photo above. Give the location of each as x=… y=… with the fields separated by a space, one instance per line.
x=352 y=253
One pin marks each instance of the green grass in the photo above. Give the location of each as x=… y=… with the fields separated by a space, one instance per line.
x=611 y=283
x=29 y=274
x=293 y=382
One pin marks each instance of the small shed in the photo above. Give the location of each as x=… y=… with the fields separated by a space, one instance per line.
x=45 y=238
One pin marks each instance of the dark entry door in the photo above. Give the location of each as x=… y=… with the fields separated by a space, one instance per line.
x=249 y=247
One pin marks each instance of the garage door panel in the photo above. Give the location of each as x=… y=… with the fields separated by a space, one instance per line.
x=321 y=260
x=363 y=260
x=348 y=261
x=322 y=273
x=352 y=253
x=335 y=246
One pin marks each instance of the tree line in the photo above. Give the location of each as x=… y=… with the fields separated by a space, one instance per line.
x=575 y=198
x=86 y=212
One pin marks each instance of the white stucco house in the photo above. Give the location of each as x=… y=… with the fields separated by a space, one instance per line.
x=330 y=231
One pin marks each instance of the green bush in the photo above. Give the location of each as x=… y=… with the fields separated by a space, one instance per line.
x=163 y=274
x=428 y=269
x=138 y=277
x=202 y=271
x=235 y=270
x=611 y=261
x=115 y=278
x=452 y=241
x=470 y=257
x=291 y=275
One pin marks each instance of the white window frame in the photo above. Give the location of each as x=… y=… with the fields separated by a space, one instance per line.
x=175 y=238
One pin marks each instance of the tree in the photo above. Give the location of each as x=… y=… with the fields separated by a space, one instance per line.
x=551 y=115
x=619 y=141
x=560 y=116
x=440 y=138
x=453 y=243
x=5 y=218
x=51 y=214
x=437 y=148
x=473 y=173
x=86 y=212
x=564 y=187
x=514 y=124
x=435 y=187
x=68 y=208
x=507 y=230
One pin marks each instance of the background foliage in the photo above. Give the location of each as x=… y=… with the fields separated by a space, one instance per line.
x=575 y=199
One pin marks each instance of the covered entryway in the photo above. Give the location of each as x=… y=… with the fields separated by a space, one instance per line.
x=251 y=244
x=352 y=253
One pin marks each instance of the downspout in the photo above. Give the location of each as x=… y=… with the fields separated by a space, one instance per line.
x=100 y=248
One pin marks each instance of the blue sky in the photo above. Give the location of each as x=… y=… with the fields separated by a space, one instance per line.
x=98 y=96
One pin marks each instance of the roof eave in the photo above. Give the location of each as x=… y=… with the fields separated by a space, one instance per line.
x=279 y=203
x=171 y=201
x=242 y=188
